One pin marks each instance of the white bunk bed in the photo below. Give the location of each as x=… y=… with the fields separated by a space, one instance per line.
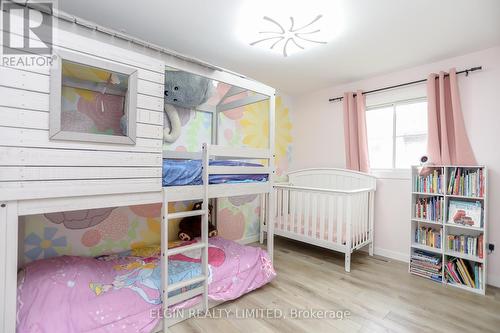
x=330 y=208
x=39 y=175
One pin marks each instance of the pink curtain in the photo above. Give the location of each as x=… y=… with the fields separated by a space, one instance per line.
x=356 y=142
x=447 y=141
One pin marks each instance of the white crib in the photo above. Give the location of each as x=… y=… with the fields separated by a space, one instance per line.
x=331 y=208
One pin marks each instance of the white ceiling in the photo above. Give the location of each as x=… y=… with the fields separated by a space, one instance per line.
x=377 y=36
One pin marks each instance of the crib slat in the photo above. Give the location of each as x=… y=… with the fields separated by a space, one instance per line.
x=340 y=219
x=279 y=195
x=322 y=216
x=314 y=215
x=307 y=209
x=286 y=214
x=293 y=209
x=300 y=203
x=355 y=218
x=363 y=218
x=331 y=221
x=367 y=220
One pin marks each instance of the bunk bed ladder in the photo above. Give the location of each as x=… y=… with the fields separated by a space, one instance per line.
x=203 y=246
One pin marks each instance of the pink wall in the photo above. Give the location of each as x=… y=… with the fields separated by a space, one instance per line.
x=319 y=142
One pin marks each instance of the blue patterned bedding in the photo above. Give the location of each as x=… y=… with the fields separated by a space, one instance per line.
x=188 y=172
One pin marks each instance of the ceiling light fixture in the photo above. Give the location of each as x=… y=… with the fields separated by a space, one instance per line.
x=288 y=27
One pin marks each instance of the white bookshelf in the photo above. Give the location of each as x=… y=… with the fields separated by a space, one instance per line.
x=446 y=228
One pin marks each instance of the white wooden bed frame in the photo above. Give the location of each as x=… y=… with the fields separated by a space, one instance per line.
x=39 y=176
x=205 y=192
x=330 y=208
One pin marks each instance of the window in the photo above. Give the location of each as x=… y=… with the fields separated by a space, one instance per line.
x=397 y=134
x=92 y=100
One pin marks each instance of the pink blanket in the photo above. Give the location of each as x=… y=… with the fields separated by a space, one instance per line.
x=119 y=293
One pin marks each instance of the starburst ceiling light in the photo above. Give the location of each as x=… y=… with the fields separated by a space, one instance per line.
x=289 y=27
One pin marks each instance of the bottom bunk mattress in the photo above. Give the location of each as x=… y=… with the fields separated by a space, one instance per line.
x=121 y=292
x=189 y=172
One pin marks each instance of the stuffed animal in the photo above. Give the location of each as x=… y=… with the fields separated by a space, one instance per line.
x=187 y=90
x=190 y=227
x=184 y=90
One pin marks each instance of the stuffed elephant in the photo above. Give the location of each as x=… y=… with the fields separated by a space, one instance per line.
x=184 y=90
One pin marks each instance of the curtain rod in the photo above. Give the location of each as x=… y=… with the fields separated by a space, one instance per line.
x=466 y=71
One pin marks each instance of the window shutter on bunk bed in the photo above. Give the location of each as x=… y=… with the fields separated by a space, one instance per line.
x=355 y=136
x=447 y=141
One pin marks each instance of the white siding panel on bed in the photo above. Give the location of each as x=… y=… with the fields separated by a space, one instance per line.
x=150 y=117
x=57 y=189
x=151 y=88
x=12 y=156
x=15 y=78
x=150 y=102
x=17 y=173
x=11 y=117
x=3 y=258
x=24 y=99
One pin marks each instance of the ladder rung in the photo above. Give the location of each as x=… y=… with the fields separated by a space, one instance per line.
x=185 y=283
x=188 y=213
x=185 y=295
x=185 y=248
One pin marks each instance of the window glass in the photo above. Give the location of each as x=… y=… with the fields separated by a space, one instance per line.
x=380 y=138
x=397 y=134
x=93 y=100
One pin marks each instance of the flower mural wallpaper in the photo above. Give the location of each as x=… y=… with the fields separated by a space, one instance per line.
x=101 y=231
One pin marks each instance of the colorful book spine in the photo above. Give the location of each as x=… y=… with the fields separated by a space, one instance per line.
x=463 y=272
x=426 y=265
x=430 y=208
x=471 y=245
x=429 y=237
x=466 y=182
x=430 y=183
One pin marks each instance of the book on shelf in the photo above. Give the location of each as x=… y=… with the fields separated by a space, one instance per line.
x=466 y=213
x=470 y=245
x=426 y=265
x=464 y=272
x=429 y=208
x=429 y=236
x=466 y=182
x=428 y=181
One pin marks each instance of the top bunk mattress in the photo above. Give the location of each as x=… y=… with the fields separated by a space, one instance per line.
x=189 y=172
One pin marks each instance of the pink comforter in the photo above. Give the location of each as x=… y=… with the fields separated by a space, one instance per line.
x=119 y=294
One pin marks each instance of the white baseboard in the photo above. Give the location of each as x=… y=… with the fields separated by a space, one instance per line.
x=399 y=256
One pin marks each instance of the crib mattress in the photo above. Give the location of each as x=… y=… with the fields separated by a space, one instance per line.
x=119 y=293
x=189 y=172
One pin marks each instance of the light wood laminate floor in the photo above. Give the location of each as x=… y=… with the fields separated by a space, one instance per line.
x=379 y=294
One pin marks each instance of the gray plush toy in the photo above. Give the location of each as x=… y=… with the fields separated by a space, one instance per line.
x=187 y=90
x=184 y=90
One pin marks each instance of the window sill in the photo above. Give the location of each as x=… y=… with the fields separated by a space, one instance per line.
x=404 y=174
